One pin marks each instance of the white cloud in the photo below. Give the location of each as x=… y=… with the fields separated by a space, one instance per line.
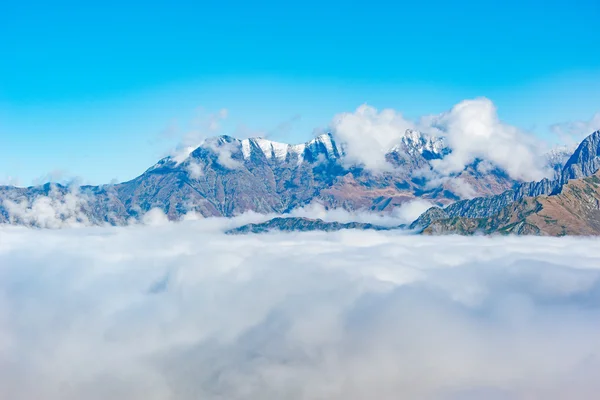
x=185 y=312
x=456 y=184
x=367 y=135
x=473 y=130
x=402 y=214
x=410 y=211
x=462 y=188
x=56 y=210
x=571 y=133
x=316 y=210
x=224 y=153
x=155 y=217
x=195 y=170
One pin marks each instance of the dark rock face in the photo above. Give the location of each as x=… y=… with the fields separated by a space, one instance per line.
x=226 y=176
x=298 y=224
x=584 y=162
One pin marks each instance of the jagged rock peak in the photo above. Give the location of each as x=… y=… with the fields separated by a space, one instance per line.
x=415 y=141
x=585 y=160
x=278 y=151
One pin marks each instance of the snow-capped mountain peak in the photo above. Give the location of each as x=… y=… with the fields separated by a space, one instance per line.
x=415 y=142
x=270 y=149
x=277 y=151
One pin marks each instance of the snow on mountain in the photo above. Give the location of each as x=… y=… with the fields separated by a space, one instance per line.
x=429 y=147
x=413 y=143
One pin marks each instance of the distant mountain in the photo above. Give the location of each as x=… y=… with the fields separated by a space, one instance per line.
x=584 y=162
x=226 y=176
x=573 y=211
x=300 y=224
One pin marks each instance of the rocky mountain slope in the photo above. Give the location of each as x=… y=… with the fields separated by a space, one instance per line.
x=300 y=224
x=583 y=162
x=575 y=210
x=226 y=176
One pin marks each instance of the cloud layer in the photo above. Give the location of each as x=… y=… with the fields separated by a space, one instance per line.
x=181 y=311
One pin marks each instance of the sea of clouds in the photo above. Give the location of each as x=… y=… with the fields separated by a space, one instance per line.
x=182 y=311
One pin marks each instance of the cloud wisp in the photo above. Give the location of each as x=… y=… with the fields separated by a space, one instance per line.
x=182 y=311
x=57 y=209
x=203 y=128
x=571 y=133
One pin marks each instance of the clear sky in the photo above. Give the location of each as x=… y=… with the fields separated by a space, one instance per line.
x=93 y=88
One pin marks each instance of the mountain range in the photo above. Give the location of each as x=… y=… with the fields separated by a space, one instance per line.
x=225 y=176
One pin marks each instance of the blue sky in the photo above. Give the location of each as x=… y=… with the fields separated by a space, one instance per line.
x=88 y=88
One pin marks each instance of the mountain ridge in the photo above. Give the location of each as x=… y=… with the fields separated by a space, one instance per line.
x=584 y=162
x=575 y=210
x=303 y=224
x=225 y=176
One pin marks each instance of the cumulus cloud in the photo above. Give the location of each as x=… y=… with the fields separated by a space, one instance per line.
x=473 y=130
x=571 y=133
x=185 y=312
x=368 y=134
